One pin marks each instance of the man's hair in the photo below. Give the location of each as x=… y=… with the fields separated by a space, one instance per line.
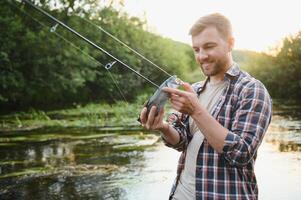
x=219 y=21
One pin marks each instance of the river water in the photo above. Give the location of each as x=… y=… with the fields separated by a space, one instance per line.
x=131 y=165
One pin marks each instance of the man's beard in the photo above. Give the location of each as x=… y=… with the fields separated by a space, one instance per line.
x=216 y=68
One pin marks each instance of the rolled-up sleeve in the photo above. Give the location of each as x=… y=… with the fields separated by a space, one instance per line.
x=249 y=124
x=181 y=126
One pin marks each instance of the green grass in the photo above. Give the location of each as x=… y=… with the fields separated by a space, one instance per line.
x=91 y=115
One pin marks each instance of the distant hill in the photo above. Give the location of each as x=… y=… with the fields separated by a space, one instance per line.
x=243 y=56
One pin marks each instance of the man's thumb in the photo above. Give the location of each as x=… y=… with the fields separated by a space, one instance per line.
x=187 y=87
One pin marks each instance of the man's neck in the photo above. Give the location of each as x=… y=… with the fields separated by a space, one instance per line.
x=220 y=77
x=217 y=78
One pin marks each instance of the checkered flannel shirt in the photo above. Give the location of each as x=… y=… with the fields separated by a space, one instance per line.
x=244 y=108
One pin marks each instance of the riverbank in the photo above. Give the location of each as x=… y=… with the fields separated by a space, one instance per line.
x=88 y=163
x=119 y=116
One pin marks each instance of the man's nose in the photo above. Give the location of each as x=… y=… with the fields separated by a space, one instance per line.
x=202 y=56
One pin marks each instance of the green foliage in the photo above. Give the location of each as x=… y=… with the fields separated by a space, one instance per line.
x=38 y=69
x=91 y=115
x=41 y=70
x=281 y=73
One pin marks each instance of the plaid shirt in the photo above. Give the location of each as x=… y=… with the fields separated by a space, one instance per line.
x=245 y=110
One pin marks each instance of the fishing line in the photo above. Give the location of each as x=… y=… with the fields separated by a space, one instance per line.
x=124 y=44
x=88 y=41
x=53 y=30
x=159 y=98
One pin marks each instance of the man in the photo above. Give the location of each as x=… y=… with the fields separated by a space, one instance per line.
x=222 y=123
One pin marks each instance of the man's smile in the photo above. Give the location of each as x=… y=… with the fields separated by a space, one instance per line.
x=207 y=65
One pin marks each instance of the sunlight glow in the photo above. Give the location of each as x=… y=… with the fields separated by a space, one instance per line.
x=258 y=25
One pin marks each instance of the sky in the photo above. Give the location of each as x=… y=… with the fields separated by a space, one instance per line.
x=258 y=25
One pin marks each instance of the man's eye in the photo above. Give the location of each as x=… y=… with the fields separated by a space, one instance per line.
x=210 y=47
x=196 y=50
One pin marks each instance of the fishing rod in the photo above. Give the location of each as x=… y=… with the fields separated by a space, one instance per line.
x=158 y=99
x=109 y=65
x=125 y=45
x=53 y=31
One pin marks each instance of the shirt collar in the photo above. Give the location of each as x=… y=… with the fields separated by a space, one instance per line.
x=233 y=71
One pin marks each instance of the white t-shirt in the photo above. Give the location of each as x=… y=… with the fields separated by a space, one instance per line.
x=186 y=186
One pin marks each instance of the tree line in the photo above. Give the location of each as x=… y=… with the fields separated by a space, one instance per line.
x=281 y=73
x=40 y=69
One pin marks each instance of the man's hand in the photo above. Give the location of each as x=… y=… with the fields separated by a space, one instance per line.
x=153 y=122
x=184 y=101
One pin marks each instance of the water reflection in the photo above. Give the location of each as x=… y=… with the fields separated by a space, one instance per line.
x=68 y=168
x=286 y=146
x=88 y=164
x=285 y=129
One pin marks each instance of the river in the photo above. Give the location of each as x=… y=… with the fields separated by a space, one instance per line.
x=131 y=165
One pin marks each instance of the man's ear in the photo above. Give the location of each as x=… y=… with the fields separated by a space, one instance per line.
x=231 y=42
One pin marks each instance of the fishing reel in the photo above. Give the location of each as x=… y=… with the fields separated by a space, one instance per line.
x=159 y=98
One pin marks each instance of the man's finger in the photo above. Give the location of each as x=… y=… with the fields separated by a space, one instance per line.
x=176 y=103
x=159 y=117
x=172 y=91
x=188 y=87
x=151 y=117
x=143 y=116
x=174 y=96
x=178 y=99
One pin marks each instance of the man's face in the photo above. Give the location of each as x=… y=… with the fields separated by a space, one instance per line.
x=211 y=51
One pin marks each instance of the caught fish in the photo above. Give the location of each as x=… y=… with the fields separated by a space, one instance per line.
x=160 y=97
